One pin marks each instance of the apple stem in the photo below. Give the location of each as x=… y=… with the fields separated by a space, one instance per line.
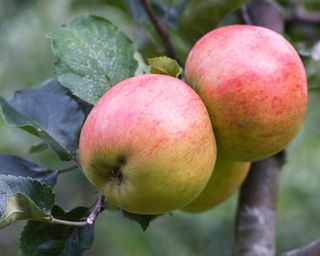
x=69 y=223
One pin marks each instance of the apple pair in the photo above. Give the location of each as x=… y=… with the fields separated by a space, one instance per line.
x=149 y=146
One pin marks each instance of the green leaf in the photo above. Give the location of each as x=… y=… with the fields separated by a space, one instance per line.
x=200 y=17
x=142 y=220
x=142 y=68
x=93 y=55
x=17 y=166
x=312 y=68
x=24 y=198
x=38 y=148
x=53 y=239
x=49 y=112
x=164 y=65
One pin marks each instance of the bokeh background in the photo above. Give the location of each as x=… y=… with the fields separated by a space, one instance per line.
x=26 y=60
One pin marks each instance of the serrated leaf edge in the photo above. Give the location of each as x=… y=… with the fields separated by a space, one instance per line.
x=46 y=217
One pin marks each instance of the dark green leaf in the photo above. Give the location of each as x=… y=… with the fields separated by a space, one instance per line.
x=312 y=68
x=235 y=17
x=48 y=112
x=17 y=166
x=164 y=65
x=200 y=17
x=177 y=11
x=39 y=239
x=93 y=55
x=24 y=198
x=142 y=220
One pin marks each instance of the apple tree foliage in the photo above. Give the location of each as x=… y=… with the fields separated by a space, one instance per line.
x=92 y=54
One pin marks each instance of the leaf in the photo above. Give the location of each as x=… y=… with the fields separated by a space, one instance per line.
x=178 y=11
x=265 y=13
x=170 y=11
x=17 y=166
x=24 y=198
x=38 y=148
x=93 y=55
x=48 y=112
x=164 y=65
x=142 y=68
x=142 y=220
x=53 y=239
x=312 y=68
x=234 y=17
x=200 y=17
x=136 y=10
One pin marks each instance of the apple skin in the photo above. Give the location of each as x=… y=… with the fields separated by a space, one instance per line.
x=253 y=84
x=227 y=176
x=148 y=145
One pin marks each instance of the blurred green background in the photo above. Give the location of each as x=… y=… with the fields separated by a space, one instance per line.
x=26 y=60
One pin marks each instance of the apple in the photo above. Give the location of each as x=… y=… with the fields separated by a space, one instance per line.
x=253 y=84
x=148 y=144
x=227 y=176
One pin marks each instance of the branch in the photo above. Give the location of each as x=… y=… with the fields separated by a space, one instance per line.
x=99 y=207
x=255 y=220
x=300 y=14
x=160 y=30
x=265 y=13
x=304 y=16
x=312 y=249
